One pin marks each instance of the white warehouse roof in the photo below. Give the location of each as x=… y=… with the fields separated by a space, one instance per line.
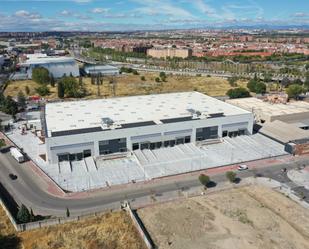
x=67 y=116
x=36 y=59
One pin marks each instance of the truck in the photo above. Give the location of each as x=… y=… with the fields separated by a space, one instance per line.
x=17 y=155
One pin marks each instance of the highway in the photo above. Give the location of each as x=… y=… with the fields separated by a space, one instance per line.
x=31 y=191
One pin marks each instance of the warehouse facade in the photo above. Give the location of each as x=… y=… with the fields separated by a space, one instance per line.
x=79 y=129
x=58 y=66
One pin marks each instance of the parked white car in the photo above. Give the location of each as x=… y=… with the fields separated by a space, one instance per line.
x=242 y=167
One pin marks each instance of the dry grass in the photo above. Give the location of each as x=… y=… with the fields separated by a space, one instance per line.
x=6 y=227
x=129 y=84
x=108 y=231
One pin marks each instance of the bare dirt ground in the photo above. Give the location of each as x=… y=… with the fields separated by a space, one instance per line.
x=108 y=231
x=246 y=218
x=130 y=84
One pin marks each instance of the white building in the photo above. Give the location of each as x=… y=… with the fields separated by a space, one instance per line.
x=97 y=127
x=56 y=65
x=1 y=60
x=102 y=69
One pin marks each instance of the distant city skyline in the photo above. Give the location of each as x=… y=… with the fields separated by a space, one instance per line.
x=127 y=15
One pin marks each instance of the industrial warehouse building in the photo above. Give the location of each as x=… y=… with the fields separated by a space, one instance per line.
x=104 y=70
x=79 y=129
x=56 y=65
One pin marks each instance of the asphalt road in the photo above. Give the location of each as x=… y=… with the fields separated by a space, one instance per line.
x=29 y=189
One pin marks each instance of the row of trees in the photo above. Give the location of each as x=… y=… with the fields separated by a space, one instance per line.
x=67 y=86
x=24 y=215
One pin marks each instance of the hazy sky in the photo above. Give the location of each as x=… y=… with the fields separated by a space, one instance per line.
x=97 y=15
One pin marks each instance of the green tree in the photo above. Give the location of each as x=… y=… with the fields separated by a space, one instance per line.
x=41 y=75
x=23 y=215
x=306 y=83
x=52 y=80
x=27 y=90
x=68 y=212
x=163 y=76
x=72 y=89
x=251 y=85
x=239 y=92
x=260 y=88
x=204 y=179
x=233 y=81
x=21 y=100
x=60 y=90
x=8 y=105
x=294 y=91
x=143 y=78
x=157 y=79
x=32 y=216
x=231 y=176
x=43 y=90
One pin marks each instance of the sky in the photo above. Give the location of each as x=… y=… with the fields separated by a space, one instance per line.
x=127 y=15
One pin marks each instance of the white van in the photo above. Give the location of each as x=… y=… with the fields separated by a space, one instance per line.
x=17 y=155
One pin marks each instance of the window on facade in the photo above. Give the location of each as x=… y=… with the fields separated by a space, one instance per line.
x=123 y=149
x=187 y=139
x=144 y=146
x=79 y=156
x=152 y=146
x=158 y=145
x=122 y=140
x=135 y=146
x=72 y=157
x=180 y=141
x=87 y=153
x=64 y=157
x=106 y=152
x=199 y=130
x=105 y=142
x=241 y=132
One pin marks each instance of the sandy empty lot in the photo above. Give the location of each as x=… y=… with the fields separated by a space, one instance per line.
x=247 y=218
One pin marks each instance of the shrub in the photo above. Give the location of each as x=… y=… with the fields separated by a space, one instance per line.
x=231 y=176
x=204 y=179
x=233 y=81
x=135 y=72
x=157 y=79
x=294 y=91
x=27 y=90
x=23 y=215
x=239 y=92
x=143 y=78
x=43 y=90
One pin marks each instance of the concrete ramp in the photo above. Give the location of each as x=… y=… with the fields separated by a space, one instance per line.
x=65 y=167
x=91 y=166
